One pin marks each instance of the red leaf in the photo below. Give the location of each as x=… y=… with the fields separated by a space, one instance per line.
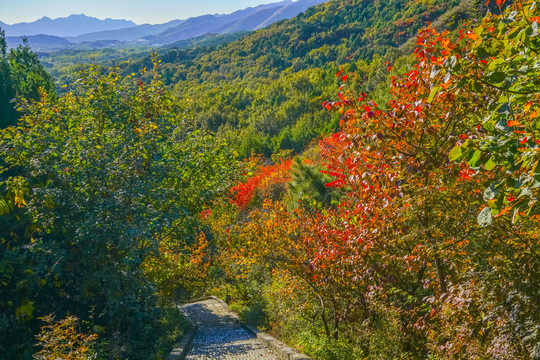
x=334 y=183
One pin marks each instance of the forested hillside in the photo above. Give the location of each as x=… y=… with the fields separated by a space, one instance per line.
x=356 y=198
x=263 y=92
x=412 y=232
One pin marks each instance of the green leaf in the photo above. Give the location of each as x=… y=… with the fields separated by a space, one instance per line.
x=474 y=158
x=496 y=77
x=532 y=31
x=490 y=193
x=490 y=164
x=482 y=53
x=456 y=153
x=433 y=93
x=485 y=218
x=25 y=311
x=516 y=215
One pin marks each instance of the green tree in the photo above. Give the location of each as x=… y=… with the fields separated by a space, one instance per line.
x=28 y=74
x=7 y=111
x=111 y=171
x=22 y=76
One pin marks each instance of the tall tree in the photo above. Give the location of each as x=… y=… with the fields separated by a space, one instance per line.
x=22 y=77
x=28 y=75
x=7 y=93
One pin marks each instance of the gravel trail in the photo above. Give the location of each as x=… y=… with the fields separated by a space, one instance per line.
x=219 y=336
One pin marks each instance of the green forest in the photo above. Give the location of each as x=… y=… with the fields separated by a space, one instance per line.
x=361 y=180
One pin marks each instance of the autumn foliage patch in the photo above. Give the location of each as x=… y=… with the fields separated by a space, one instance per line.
x=436 y=232
x=267 y=175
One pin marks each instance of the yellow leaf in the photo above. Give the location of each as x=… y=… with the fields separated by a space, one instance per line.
x=19 y=199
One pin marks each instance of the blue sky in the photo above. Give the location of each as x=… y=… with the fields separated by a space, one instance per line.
x=139 y=11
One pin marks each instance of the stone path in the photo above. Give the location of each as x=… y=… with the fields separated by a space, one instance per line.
x=219 y=335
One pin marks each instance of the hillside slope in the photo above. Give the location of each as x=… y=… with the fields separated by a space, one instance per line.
x=289 y=11
x=38 y=41
x=264 y=91
x=336 y=32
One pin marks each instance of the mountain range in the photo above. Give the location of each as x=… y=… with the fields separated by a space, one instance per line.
x=243 y=20
x=76 y=29
x=72 y=25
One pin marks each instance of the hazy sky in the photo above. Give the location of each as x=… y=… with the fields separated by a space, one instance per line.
x=139 y=11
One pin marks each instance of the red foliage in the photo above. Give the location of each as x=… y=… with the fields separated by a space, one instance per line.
x=267 y=175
